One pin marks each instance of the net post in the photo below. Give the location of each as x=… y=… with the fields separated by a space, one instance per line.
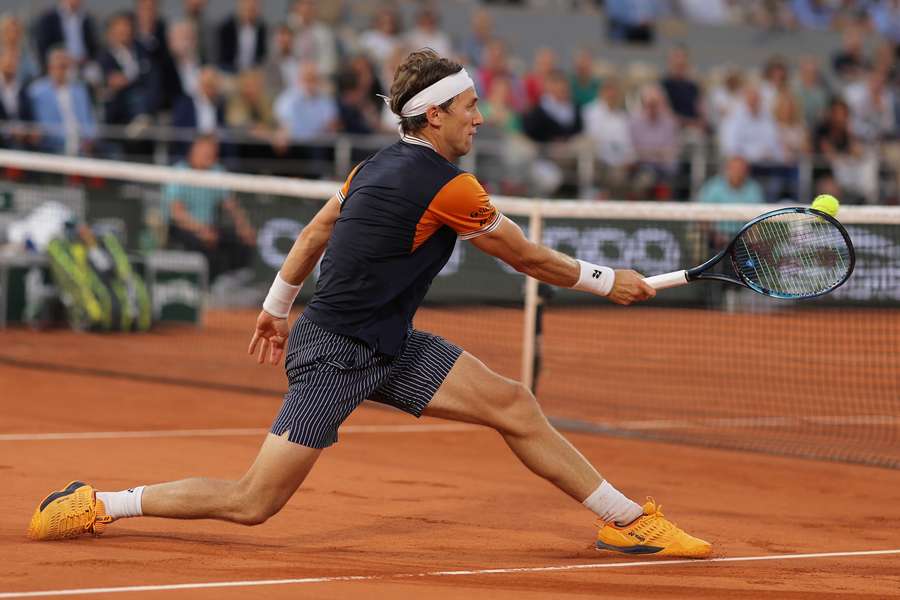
x=535 y=234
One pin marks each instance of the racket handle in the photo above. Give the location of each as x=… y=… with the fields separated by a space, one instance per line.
x=667 y=280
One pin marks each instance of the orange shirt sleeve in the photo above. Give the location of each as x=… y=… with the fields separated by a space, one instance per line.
x=463 y=205
x=345 y=189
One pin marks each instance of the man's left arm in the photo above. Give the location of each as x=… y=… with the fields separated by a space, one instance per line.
x=272 y=328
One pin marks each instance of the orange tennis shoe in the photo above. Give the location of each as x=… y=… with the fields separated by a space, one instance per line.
x=651 y=533
x=67 y=513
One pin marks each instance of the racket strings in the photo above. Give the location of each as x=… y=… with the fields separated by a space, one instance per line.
x=792 y=255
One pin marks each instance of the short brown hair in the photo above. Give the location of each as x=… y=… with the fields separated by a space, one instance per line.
x=421 y=69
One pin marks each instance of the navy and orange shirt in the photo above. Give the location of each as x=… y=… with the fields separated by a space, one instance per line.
x=402 y=211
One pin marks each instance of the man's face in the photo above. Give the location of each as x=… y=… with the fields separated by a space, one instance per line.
x=753 y=100
x=460 y=122
x=58 y=67
x=309 y=78
x=182 y=40
x=736 y=172
x=120 y=32
x=204 y=154
x=8 y=64
x=558 y=88
x=248 y=10
x=209 y=83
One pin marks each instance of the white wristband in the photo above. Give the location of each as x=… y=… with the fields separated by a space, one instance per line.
x=595 y=279
x=281 y=297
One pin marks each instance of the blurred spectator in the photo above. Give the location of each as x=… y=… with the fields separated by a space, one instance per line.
x=654 y=133
x=726 y=96
x=811 y=91
x=885 y=18
x=584 y=82
x=503 y=126
x=871 y=106
x=69 y=26
x=427 y=34
x=242 y=38
x=496 y=64
x=207 y=220
x=848 y=62
x=14 y=105
x=194 y=13
x=380 y=41
x=607 y=125
x=127 y=77
x=683 y=92
x=813 y=14
x=305 y=112
x=544 y=63
x=775 y=81
x=313 y=40
x=181 y=71
x=357 y=113
x=706 y=12
x=750 y=131
x=203 y=111
x=555 y=118
x=249 y=113
x=792 y=130
x=150 y=32
x=366 y=79
x=481 y=31
x=732 y=185
x=61 y=106
x=13 y=39
x=853 y=167
x=281 y=66
x=632 y=21
x=497 y=108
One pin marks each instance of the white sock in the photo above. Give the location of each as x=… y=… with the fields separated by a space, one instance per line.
x=610 y=504
x=126 y=503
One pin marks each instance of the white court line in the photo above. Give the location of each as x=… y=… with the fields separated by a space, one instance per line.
x=234 y=432
x=305 y=580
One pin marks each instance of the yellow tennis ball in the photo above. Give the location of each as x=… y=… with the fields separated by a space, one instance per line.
x=827 y=204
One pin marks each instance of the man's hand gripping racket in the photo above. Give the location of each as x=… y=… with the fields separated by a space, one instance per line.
x=786 y=253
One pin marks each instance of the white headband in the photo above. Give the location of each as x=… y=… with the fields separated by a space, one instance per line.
x=436 y=94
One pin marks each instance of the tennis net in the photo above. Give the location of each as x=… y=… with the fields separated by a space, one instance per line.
x=703 y=364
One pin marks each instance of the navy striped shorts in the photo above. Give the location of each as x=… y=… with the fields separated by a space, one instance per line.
x=329 y=375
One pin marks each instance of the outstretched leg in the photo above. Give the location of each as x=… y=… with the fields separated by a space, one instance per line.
x=473 y=393
x=279 y=469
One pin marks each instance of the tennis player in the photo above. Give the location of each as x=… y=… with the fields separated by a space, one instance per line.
x=385 y=235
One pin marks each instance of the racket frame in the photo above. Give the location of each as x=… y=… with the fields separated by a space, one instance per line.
x=699 y=272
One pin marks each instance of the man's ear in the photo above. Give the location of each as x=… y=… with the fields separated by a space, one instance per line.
x=435 y=116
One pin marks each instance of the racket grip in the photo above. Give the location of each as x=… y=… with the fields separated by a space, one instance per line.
x=667 y=280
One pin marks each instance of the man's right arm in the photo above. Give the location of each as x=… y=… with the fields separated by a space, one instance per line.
x=509 y=244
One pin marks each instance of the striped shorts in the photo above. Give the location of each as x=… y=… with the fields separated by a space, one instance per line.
x=329 y=375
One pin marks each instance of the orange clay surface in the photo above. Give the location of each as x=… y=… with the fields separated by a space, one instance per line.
x=383 y=504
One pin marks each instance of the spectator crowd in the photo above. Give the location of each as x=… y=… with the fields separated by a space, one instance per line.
x=71 y=84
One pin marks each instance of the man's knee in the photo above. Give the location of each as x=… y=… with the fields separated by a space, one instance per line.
x=254 y=507
x=516 y=411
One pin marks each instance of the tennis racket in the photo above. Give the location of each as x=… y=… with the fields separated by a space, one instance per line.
x=786 y=253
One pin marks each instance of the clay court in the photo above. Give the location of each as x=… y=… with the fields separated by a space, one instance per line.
x=429 y=509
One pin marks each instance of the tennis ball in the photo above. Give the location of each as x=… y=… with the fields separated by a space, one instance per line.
x=827 y=204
